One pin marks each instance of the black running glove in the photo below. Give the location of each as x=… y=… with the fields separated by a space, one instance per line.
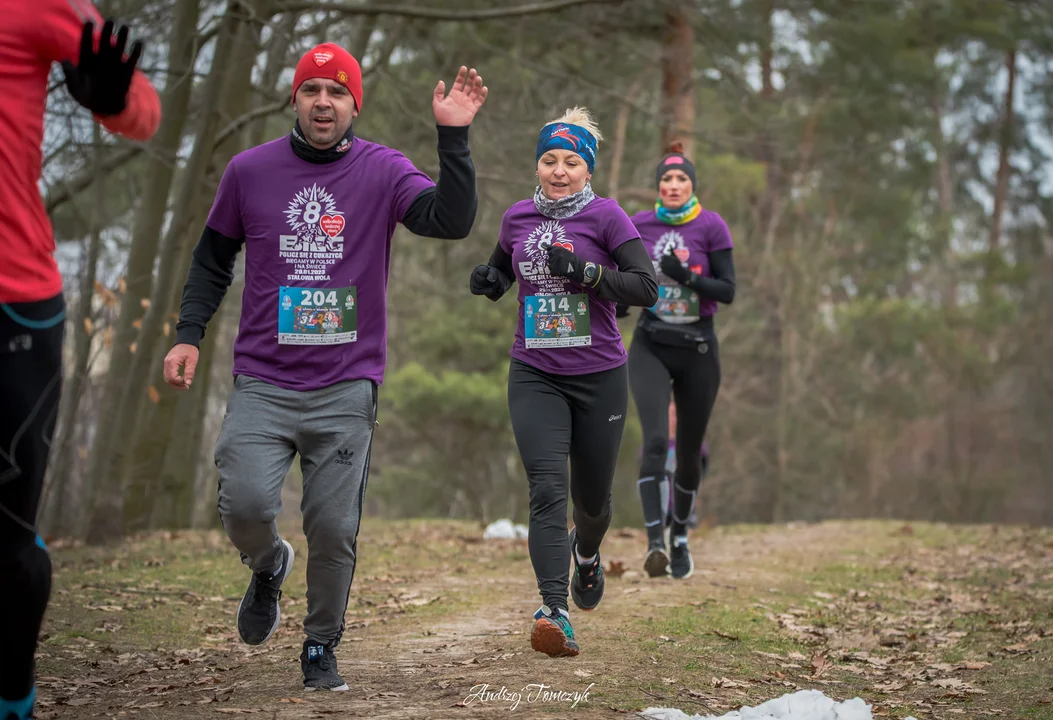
x=100 y=80
x=484 y=280
x=674 y=269
x=564 y=263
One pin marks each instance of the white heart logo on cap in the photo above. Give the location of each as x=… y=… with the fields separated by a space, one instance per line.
x=322 y=57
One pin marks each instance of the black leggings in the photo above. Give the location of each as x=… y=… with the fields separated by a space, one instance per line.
x=555 y=417
x=694 y=372
x=30 y=383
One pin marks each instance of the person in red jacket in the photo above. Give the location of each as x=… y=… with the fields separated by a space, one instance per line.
x=102 y=78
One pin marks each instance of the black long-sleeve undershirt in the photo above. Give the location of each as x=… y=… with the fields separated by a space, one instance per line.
x=720 y=287
x=634 y=282
x=446 y=211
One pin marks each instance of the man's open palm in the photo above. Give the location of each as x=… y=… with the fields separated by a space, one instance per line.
x=466 y=96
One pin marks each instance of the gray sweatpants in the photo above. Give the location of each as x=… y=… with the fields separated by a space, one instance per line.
x=332 y=429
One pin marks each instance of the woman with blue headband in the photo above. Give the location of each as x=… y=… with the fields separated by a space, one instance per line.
x=674 y=348
x=575 y=256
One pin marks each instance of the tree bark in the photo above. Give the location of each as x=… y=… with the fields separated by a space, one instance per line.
x=772 y=489
x=1004 y=169
x=678 y=98
x=144 y=462
x=103 y=499
x=621 y=123
x=57 y=496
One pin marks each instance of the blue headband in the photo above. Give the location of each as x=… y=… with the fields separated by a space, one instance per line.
x=564 y=136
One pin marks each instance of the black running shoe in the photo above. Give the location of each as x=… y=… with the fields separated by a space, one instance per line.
x=319 y=669
x=258 y=613
x=586 y=587
x=657 y=562
x=680 y=563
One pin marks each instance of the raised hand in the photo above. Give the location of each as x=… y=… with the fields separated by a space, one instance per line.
x=100 y=79
x=466 y=96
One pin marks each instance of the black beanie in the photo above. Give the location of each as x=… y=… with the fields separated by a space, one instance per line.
x=675 y=160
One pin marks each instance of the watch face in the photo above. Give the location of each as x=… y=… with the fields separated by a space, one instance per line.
x=590 y=271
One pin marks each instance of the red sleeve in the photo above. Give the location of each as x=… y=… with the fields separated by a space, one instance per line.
x=59 y=39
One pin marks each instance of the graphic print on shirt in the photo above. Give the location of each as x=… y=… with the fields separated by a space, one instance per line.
x=309 y=314
x=535 y=268
x=670 y=241
x=318 y=241
x=676 y=304
x=551 y=318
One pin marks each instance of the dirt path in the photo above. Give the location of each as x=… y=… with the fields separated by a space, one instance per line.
x=928 y=621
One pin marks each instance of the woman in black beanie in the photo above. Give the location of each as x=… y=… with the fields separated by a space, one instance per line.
x=674 y=349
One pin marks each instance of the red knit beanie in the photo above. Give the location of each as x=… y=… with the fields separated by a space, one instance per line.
x=333 y=63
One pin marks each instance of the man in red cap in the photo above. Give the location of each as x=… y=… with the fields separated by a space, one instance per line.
x=33 y=35
x=316 y=211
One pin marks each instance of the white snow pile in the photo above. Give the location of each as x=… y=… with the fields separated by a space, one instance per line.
x=801 y=705
x=504 y=529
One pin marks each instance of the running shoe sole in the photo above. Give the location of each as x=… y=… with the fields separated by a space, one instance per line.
x=657 y=563
x=547 y=637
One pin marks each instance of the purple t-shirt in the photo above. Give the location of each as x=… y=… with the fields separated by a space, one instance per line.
x=317 y=252
x=564 y=328
x=690 y=242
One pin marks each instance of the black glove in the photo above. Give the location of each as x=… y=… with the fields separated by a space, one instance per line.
x=564 y=263
x=484 y=280
x=673 y=269
x=100 y=81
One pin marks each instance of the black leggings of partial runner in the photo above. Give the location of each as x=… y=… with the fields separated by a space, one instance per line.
x=693 y=377
x=556 y=417
x=30 y=383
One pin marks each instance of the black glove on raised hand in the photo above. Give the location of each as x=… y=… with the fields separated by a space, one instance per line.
x=674 y=269
x=100 y=80
x=484 y=280
x=564 y=263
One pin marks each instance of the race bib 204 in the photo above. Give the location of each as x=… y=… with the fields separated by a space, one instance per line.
x=317 y=316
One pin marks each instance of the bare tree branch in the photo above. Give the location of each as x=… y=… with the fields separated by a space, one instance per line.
x=69 y=189
x=242 y=120
x=437 y=13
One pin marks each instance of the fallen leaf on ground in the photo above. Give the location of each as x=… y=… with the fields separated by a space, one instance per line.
x=727 y=683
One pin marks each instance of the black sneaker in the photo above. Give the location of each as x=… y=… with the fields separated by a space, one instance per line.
x=680 y=563
x=258 y=613
x=586 y=587
x=319 y=669
x=657 y=562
